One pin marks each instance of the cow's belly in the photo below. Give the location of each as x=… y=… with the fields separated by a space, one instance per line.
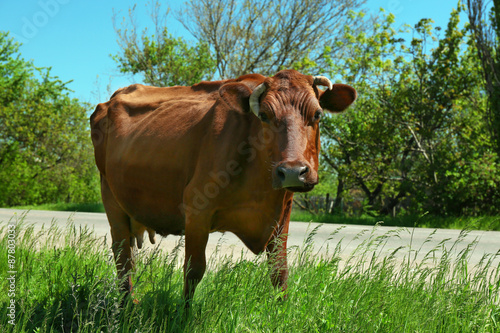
x=150 y=197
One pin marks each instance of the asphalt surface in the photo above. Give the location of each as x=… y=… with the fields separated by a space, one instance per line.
x=353 y=240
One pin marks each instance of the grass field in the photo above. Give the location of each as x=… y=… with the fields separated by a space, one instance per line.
x=67 y=207
x=428 y=221
x=66 y=282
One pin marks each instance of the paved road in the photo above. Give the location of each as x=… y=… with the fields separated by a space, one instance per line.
x=327 y=237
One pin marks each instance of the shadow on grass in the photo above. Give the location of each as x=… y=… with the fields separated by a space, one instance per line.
x=73 y=309
x=166 y=310
x=81 y=308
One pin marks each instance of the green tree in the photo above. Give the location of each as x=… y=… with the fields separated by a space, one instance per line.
x=45 y=151
x=411 y=139
x=234 y=37
x=249 y=36
x=362 y=145
x=487 y=42
x=162 y=59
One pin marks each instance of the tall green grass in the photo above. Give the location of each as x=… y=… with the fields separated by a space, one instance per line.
x=66 y=282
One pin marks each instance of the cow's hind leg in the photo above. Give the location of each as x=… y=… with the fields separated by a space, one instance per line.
x=121 y=235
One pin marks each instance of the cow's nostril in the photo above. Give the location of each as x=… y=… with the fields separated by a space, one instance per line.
x=303 y=171
x=281 y=172
x=292 y=176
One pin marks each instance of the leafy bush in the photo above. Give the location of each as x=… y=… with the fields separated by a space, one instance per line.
x=45 y=150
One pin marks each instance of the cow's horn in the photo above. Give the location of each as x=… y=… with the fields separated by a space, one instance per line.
x=254 y=98
x=323 y=81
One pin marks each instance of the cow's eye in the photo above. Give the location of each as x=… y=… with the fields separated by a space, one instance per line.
x=317 y=115
x=263 y=117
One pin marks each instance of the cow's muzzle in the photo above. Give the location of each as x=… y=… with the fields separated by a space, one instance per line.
x=296 y=177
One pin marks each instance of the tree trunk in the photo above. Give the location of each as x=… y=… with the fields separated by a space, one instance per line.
x=336 y=207
x=392 y=203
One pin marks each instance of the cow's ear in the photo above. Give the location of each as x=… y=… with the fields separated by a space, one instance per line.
x=236 y=95
x=338 y=98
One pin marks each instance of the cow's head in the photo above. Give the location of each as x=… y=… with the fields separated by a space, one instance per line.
x=290 y=106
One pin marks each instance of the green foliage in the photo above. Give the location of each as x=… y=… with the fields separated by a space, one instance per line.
x=95 y=207
x=66 y=282
x=414 y=141
x=45 y=151
x=485 y=30
x=164 y=60
x=233 y=38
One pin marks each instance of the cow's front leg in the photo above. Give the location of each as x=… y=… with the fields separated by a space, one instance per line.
x=196 y=237
x=277 y=259
x=276 y=249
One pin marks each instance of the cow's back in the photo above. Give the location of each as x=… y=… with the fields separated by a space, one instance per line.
x=147 y=142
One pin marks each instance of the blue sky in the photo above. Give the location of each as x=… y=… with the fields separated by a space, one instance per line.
x=76 y=38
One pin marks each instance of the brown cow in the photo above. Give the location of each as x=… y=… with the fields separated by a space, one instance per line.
x=218 y=156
